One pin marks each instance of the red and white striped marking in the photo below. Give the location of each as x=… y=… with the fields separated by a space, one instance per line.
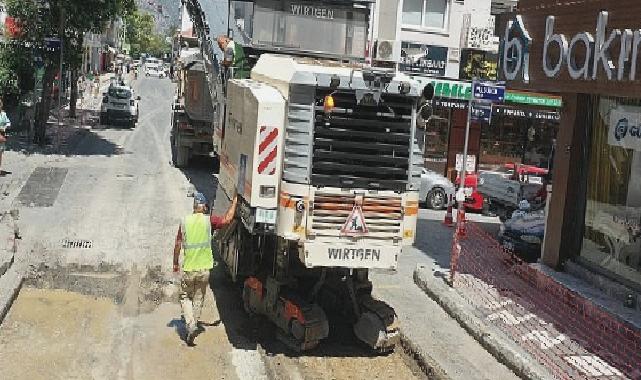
x=268 y=150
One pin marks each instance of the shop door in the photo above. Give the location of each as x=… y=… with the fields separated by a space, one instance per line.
x=457 y=141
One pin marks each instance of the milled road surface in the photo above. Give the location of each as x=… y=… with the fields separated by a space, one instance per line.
x=100 y=302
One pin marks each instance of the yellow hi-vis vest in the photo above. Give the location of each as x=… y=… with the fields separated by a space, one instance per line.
x=196 y=230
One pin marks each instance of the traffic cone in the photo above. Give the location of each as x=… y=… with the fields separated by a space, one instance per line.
x=449 y=220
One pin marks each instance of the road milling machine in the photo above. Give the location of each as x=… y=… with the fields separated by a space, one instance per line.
x=321 y=150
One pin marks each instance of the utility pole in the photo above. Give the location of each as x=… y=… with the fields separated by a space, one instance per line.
x=61 y=32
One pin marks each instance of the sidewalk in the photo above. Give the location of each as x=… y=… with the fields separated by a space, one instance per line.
x=442 y=347
x=19 y=160
x=61 y=138
x=530 y=321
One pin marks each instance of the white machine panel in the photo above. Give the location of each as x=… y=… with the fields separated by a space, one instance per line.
x=357 y=255
x=251 y=149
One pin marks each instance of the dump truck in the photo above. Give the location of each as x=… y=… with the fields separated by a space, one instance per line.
x=322 y=153
x=193 y=109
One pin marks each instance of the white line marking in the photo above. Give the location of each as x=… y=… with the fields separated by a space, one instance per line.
x=543 y=337
x=592 y=365
x=509 y=319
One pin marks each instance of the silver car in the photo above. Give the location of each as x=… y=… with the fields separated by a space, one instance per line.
x=436 y=190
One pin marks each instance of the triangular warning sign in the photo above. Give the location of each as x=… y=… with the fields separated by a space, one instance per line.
x=355 y=223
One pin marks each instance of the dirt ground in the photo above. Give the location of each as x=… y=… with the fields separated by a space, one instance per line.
x=72 y=334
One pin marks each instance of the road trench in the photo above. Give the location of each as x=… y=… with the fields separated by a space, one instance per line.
x=105 y=322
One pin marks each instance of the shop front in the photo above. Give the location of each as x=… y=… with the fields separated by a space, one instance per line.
x=588 y=52
x=522 y=131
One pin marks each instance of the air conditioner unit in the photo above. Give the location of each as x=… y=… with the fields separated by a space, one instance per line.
x=387 y=50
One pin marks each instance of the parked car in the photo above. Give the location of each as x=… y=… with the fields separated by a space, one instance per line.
x=119 y=105
x=436 y=190
x=154 y=71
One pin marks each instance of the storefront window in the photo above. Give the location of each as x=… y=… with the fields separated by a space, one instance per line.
x=518 y=136
x=612 y=236
x=435 y=138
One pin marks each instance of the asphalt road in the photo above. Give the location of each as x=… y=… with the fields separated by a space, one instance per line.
x=98 y=228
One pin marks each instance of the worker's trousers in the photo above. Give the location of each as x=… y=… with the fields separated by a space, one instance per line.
x=192 y=295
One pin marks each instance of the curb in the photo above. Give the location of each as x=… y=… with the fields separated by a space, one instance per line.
x=426 y=364
x=10 y=285
x=504 y=351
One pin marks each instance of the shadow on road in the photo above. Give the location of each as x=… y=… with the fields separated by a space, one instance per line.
x=434 y=239
x=201 y=174
x=253 y=332
x=74 y=137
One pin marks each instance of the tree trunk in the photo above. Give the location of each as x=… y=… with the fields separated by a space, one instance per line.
x=73 y=97
x=45 y=105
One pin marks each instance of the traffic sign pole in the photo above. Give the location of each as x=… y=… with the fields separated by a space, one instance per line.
x=486 y=92
x=460 y=194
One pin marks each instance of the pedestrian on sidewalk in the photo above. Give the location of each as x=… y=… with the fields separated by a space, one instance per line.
x=96 y=85
x=194 y=238
x=4 y=124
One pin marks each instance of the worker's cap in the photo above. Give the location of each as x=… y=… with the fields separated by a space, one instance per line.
x=200 y=199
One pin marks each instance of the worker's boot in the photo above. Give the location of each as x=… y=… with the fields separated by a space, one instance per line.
x=191 y=335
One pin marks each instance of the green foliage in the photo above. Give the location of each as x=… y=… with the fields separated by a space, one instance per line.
x=40 y=19
x=142 y=36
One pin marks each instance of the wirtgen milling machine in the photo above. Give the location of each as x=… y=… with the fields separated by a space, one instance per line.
x=321 y=149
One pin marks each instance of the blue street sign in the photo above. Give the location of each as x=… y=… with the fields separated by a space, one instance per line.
x=482 y=112
x=489 y=91
x=52 y=43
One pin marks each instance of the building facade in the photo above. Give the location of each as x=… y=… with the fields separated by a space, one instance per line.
x=448 y=43
x=588 y=52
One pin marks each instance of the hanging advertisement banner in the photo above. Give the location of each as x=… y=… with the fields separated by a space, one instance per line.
x=625 y=128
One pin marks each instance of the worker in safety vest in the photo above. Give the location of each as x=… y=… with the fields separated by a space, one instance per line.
x=194 y=238
x=234 y=57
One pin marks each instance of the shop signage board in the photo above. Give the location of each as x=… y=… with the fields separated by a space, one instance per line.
x=528 y=114
x=478 y=64
x=625 y=128
x=533 y=99
x=444 y=88
x=471 y=162
x=482 y=37
x=423 y=59
x=546 y=48
x=489 y=91
x=451 y=89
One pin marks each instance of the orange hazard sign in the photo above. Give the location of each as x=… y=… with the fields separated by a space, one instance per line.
x=355 y=223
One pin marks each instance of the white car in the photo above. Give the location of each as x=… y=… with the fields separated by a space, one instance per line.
x=155 y=71
x=436 y=190
x=119 y=106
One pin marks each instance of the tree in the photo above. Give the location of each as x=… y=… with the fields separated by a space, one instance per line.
x=142 y=36
x=40 y=19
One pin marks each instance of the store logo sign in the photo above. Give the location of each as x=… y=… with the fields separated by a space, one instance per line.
x=613 y=52
x=621 y=129
x=515 y=51
x=625 y=128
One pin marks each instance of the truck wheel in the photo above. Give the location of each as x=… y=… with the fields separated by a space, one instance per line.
x=132 y=124
x=436 y=199
x=103 y=119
